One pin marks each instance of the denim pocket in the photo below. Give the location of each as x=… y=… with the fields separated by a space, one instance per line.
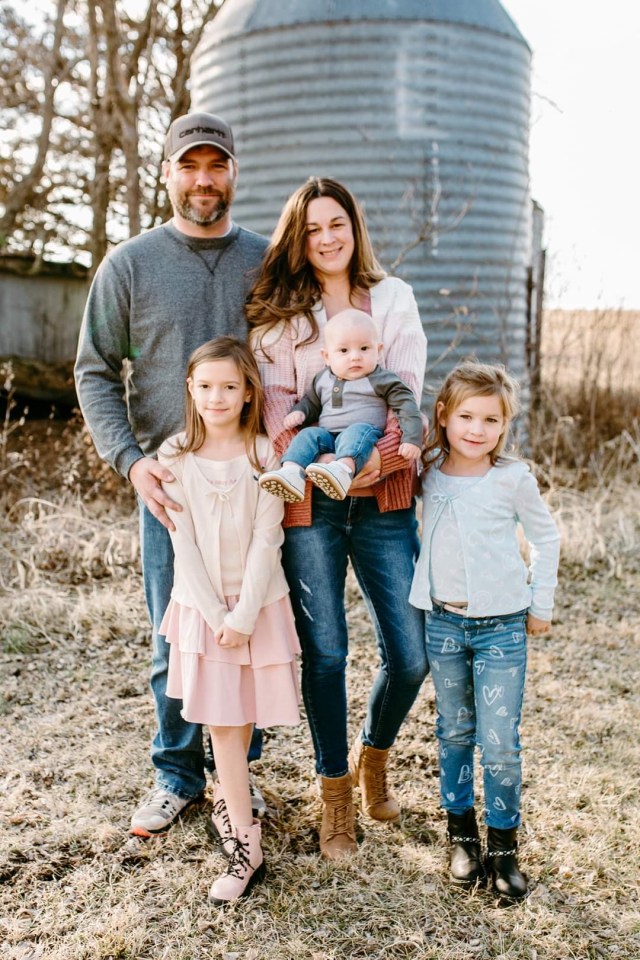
x=509 y=619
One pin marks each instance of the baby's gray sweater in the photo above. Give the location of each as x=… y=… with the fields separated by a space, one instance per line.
x=154 y=299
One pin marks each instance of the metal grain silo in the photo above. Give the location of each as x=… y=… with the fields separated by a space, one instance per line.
x=422 y=108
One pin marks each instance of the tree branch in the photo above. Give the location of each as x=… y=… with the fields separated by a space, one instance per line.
x=22 y=193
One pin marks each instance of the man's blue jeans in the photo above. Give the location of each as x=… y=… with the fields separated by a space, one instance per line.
x=356 y=441
x=382 y=548
x=177 y=749
x=478 y=668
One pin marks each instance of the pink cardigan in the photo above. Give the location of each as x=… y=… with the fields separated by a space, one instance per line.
x=287 y=366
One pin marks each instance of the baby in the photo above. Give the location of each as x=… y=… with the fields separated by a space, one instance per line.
x=349 y=400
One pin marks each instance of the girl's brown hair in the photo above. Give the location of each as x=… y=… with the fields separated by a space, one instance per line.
x=287 y=287
x=225 y=348
x=471 y=379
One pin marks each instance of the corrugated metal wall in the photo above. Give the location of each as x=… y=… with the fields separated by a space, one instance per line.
x=40 y=315
x=422 y=109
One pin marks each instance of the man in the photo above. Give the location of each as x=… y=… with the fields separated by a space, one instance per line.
x=154 y=299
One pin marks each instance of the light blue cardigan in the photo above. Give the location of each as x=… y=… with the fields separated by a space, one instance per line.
x=487 y=513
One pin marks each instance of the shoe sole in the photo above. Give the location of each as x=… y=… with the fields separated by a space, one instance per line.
x=327 y=484
x=468 y=884
x=257 y=876
x=504 y=899
x=281 y=489
x=146 y=834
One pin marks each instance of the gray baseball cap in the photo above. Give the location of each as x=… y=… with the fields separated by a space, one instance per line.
x=196 y=130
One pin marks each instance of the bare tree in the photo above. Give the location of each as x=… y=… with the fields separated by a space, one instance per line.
x=25 y=188
x=85 y=98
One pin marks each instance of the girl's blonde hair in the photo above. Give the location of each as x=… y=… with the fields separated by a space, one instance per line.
x=287 y=286
x=225 y=348
x=472 y=379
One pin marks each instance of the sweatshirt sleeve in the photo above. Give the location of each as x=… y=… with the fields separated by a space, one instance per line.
x=262 y=558
x=544 y=540
x=401 y=400
x=188 y=562
x=102 y=348
x=310 y=404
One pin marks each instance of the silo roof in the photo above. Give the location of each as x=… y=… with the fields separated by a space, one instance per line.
x=247 y=16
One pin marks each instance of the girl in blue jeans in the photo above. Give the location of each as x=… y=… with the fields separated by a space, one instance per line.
x=481 y=602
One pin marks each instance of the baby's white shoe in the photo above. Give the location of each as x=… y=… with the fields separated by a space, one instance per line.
x=286 y=483
x=334 y=478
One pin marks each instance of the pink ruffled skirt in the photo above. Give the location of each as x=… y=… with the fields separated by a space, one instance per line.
x=231 y=686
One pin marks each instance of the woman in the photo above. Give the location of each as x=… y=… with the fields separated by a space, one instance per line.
x=320 y=262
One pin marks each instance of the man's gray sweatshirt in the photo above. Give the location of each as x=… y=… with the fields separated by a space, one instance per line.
x=153 y=300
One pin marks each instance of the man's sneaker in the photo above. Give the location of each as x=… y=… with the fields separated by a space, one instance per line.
x=258 y=802
x=334 y=479
x=286 y=483
x=158 y=811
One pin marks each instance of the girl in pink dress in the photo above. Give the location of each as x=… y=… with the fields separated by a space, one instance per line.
x=229 y=621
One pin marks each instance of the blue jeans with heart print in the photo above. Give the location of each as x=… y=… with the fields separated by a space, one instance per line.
x=478 y=667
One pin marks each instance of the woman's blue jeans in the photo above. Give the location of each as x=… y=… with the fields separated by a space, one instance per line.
x=478 y=668
x=382 y=548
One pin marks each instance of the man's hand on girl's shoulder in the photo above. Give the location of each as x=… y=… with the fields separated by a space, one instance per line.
x=147 y=476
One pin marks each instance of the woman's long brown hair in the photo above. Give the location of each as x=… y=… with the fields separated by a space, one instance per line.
x=287 y=286
x=225 y=348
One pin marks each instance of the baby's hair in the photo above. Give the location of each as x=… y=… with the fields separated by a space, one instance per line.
x=225 y=348
x=349 y=318
x=472 y=379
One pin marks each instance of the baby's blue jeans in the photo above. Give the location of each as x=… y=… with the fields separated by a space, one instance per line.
x=356 y=441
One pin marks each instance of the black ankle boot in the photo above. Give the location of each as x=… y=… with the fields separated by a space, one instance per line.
x=502 y=865
x=465 y=860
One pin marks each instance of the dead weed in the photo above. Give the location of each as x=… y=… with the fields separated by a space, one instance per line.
x=76 y=721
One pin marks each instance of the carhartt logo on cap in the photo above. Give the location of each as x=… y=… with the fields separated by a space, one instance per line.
x=195 y=130
x=216 y=132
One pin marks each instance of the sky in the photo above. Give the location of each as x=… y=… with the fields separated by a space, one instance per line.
x=585 y=146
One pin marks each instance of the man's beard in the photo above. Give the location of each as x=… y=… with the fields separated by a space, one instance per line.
x=185 y=209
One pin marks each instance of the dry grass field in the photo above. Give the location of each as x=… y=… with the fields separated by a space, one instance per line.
x=76 y=721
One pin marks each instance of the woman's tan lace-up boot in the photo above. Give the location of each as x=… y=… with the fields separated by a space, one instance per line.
x=337 y=830
x=368 y=768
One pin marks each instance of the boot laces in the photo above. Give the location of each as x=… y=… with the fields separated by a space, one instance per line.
x=239 y=862
x=378 y=792
x=219 y=811
x=339 y=820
